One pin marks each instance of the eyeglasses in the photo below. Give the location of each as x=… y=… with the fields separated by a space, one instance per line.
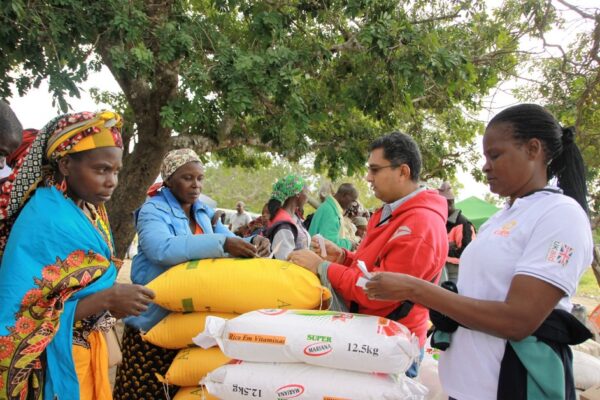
x=373 y=170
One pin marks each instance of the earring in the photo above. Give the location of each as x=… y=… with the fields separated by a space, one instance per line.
x=63 y=186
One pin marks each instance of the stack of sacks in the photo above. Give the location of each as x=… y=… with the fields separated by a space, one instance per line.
x=223 y=288
x=428 y=373
x=311 y=355
x=175 y=332
x=586 y=370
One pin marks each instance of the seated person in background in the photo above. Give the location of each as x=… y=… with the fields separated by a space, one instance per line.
x=240 y=219
x=328 y=220
x=258 y=226
x=361 y=226
x=173 y=227
x=460 y=233
x=285 y=228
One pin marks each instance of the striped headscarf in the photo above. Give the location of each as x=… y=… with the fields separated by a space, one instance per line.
x=287 y=187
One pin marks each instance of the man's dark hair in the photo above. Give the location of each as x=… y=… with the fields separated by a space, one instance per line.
x=10 y=127
x=399 y=148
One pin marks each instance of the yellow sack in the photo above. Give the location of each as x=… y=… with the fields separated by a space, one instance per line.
x=191 y=365
x=193 y=393
x=238 y=286
x=176 y=330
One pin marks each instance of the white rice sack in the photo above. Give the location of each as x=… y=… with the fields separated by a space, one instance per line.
x=329 y=339
x=590 y=347
x=586 y=370
x=245 y=380
x=429 y=377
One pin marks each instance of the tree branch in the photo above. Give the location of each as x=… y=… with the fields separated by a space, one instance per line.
x=576 y=9
x=438 y=18
x=203 y=144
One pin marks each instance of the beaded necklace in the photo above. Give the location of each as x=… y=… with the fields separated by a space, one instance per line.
x=99 y=220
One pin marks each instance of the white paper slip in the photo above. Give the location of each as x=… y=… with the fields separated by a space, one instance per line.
x=362 y=282
x=363 y=268
x=322 y=245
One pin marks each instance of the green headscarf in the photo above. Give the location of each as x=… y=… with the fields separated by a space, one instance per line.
x=287 y=187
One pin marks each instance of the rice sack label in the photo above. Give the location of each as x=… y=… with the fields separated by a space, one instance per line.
x=236 y=286
x=247 y=380
x=330 y=339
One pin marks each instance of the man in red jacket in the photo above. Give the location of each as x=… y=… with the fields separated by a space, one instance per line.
x=407 y=235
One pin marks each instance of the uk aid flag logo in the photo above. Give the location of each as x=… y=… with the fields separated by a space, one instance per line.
x=559 y=253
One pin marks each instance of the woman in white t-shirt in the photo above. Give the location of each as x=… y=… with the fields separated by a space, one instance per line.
x=526 y=261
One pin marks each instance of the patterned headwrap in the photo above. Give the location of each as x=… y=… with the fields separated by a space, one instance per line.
x=65 y=134
x=84 y=131
x=175 y=159
x=287 y=187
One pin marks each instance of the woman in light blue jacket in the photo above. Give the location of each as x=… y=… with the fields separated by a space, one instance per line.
x=173 y=227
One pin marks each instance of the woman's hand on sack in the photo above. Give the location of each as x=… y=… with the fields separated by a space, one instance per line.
x=334 y=252
x=263 y=245
x=128 y=299
x=306 y=259
x=238 y=247
x=391 y=286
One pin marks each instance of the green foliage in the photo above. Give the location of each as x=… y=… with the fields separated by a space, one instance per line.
x=570 y=89
x=291 y=78
x=588 y=285
x=298 y=77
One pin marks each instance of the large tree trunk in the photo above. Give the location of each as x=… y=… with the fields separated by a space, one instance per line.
x=142 y=166
x=139 y=171
x=596 y=264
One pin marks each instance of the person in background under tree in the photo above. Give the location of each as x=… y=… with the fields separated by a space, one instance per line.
x=460 y=233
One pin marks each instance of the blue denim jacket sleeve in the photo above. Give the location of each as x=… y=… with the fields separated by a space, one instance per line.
x=162 y=247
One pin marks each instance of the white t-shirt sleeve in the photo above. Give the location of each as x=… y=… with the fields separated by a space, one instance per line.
x=559 y=248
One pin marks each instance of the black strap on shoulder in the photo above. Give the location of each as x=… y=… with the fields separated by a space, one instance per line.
x=276 y=227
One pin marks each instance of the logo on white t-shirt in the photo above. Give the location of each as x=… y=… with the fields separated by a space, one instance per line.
x=559 y=253
x=504 y=231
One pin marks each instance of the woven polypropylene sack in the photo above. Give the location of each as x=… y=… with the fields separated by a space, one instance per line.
x=237 y=286
x=176 y=330
x=193 y=393
x=191 y=365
